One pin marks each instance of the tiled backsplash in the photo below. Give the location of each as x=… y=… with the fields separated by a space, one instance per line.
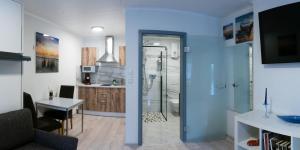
x=107 y=72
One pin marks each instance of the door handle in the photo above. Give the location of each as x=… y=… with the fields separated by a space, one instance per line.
x=235 y=85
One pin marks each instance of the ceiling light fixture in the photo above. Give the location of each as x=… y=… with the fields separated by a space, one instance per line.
x=97 y=28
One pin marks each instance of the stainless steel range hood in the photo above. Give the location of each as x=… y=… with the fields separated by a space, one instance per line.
x=108 y=56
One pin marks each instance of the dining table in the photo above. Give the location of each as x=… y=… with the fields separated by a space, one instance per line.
x=62 y=104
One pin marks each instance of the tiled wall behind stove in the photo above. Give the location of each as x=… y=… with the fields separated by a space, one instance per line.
x=107 y=72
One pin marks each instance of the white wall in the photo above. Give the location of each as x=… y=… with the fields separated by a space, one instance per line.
x=10 y=31
x=10 y=89
x=10 y=41
x=282 y=80
x=99 y=43
x=37 y=84
x=155 y=19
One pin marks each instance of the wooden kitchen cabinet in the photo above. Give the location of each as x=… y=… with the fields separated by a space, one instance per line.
x=122 y=55
x=88 y=56
x=118 y=100
x=89 y=95
x=103 y=99
x=119 y=97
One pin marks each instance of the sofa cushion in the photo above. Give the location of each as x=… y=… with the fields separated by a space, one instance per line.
x=33 y=146
x=16 y=129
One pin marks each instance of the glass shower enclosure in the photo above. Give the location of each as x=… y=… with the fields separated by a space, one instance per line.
x=162 y=60
x=164 y=83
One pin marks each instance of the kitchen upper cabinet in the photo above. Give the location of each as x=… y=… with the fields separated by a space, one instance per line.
x=122 y=55
x=88 y=56
x=11 y=26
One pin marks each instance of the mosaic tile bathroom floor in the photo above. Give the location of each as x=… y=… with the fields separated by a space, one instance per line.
x=149 y=117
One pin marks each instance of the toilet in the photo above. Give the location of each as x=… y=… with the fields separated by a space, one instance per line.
x=174 y=104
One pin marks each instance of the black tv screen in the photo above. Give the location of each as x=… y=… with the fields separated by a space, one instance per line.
x=280 y=34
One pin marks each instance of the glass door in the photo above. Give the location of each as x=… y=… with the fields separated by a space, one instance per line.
x=205 y=88
x=164 y=88
x=241 y=85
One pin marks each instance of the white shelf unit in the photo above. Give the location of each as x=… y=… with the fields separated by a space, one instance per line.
x=252 y=124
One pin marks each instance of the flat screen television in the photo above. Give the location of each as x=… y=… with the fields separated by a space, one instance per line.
x=280 y=34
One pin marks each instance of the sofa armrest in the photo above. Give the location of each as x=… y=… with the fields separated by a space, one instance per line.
x=55 y=141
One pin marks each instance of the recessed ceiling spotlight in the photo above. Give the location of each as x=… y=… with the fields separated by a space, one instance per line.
x=97 y=28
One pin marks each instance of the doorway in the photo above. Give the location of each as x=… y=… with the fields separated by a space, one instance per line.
x=161 y=82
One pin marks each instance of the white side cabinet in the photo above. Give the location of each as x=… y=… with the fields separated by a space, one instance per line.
x=10 y=26
x=254 y=123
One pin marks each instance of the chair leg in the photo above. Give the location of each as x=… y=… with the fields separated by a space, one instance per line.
x=63 y=127
x=71 y=119
x=58 y=131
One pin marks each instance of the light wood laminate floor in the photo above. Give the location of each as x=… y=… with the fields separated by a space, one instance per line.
x=107 y=133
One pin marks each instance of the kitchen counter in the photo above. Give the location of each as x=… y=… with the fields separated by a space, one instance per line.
x=100 y=86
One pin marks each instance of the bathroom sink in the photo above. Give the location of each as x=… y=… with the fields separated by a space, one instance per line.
x=291 y=119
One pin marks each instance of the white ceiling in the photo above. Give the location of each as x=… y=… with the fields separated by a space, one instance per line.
x=218 y=8
x=79 y=15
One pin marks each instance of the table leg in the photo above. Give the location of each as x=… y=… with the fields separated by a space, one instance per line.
x=67 y=120
x=82 y=118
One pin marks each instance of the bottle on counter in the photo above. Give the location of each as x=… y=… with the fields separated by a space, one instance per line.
x=114 y=82
x=50 y=95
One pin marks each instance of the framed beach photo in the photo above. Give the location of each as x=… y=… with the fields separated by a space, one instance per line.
x=244 y=28
x=47 y=53
x=228 y=31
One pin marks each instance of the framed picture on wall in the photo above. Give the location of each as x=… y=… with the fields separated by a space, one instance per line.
x=228 y=31
x=244 y=28
x=47 y=54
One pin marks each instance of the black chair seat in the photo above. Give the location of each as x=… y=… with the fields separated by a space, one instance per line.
x=42 y=123
x=48 y=124
x=58 y=114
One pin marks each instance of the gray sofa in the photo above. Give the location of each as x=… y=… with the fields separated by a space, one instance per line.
x=17 y=132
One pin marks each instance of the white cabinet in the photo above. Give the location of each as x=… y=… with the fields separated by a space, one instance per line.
x=253 y=124
x=10 y=26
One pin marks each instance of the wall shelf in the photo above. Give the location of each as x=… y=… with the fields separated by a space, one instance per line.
x=13 y=56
